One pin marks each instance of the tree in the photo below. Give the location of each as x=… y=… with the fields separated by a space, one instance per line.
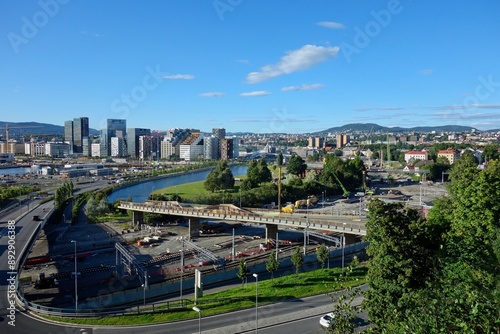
x=322 y=254
x=296 y=165
x=297 y=259
x=264 y=173
x=243 y=271
x=219 y=178
x=258 y=172
x=279 y=159
x=402 y=250
x=272 y=264
x=491 y=152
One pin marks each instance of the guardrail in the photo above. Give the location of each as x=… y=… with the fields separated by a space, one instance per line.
x=345 y=224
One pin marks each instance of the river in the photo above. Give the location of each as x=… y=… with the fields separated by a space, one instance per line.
x=140 y=192
x=19 y=170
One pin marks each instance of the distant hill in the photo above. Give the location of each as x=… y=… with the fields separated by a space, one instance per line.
x=34 y=128
x=374 y=128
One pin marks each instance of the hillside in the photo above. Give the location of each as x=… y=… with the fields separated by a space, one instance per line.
x=375 y=128
x=34 y=128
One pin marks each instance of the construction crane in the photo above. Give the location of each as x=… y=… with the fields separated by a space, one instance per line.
x=346 y=193
x=16 y=127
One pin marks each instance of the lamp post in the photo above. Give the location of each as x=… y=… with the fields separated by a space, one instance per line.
x=76 y=281
x=343 y=246
x=144 y=294
x=256 y=302
x=199 y=318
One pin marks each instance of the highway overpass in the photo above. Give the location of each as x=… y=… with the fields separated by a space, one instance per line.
x=350 y=225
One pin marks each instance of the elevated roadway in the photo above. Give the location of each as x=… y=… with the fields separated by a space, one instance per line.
x=348 y=224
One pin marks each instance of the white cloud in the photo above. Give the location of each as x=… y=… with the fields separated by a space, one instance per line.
x=331 y=25
x=303 y=87
x=243 y=61
x=426 y=72
x=256 y=93
x=296 y=60
x=179 y=76
x=213 y=94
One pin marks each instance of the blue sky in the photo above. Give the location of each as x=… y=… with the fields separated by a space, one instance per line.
x=251 y=65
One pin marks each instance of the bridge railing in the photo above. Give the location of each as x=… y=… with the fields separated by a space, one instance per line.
x=343 y=223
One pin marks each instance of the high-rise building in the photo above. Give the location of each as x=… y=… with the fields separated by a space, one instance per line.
x=76 y=134
x=133 y=135
x=226 y=148
x=68 y=134
x=117 y=146
x=211 y=147
x=342 y=140
x=114 y=128
x=219 y=133
x=236 y=147
x=80 y=134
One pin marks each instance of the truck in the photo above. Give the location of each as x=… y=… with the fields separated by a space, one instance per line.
x=288 y=208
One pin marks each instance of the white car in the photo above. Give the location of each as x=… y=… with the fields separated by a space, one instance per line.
x=326 y=320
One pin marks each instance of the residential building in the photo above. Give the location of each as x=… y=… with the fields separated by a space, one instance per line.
x=95 y=150
x=226 y=148
x=342 y=140
x=211 y=147
x=412 y=156
x=451 y=154
x=192 y=147
x=117 y=147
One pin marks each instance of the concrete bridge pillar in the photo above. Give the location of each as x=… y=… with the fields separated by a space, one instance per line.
x=137 y=218
x=349 y=238
x=194 y=227
x=271 y=230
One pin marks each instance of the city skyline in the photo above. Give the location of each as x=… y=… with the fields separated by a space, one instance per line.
x=252 y=66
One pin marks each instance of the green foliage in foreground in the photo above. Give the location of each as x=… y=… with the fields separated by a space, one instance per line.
x=270 y=291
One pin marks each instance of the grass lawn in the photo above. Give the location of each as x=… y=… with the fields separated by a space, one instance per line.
x=288 y=287
x=190 y=190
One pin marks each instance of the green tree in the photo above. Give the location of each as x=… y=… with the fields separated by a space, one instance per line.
x=264 y=173
x=491 y=152
x=297 y=259
x=219 y=178
x=296 y=165
x=272 y=264
x=322 y=254
x=243 y=271
x=279 y=159
x=402 y=250
x=468 y=284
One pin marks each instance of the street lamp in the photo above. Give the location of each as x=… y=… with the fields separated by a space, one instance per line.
x=144 y=294
x=256 y=302
x=343 y=246
x=76 y=281
x=199 y=318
